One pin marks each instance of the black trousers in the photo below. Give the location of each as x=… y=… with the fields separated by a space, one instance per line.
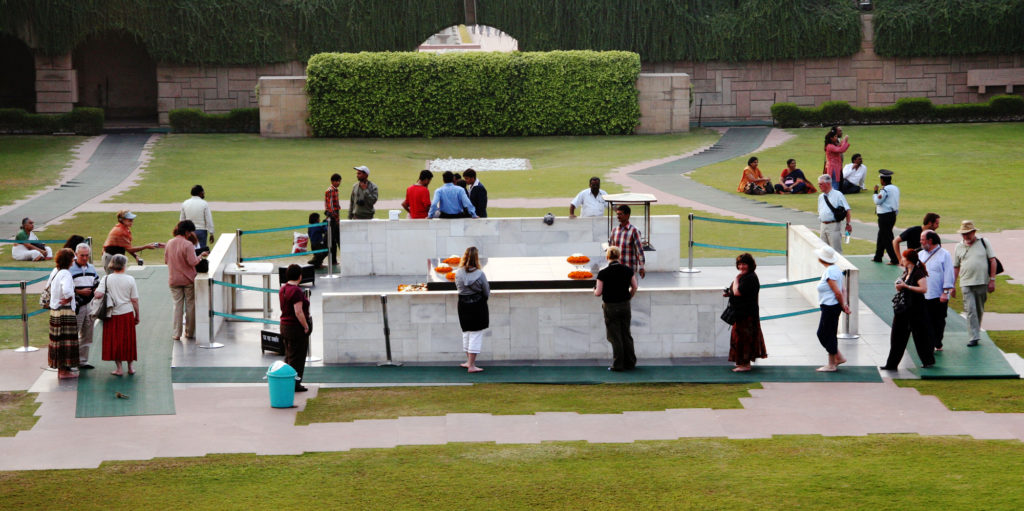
x=828 y=326
x=903 y=324
x=335 y=236
x=937 y=316
x=617 y=317
x=886 y=222
x=296 y=344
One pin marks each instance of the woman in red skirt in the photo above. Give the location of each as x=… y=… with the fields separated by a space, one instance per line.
x=122 y=297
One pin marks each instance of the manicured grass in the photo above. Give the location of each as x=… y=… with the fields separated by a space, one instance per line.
x=30 y=162
x=1007 y=298
x=1010 y=341
x=939 y=167
x=11 y=335
x=348 y=404
x=892 y=472
x=16 y=412
x=251 y=168
x=994 y=396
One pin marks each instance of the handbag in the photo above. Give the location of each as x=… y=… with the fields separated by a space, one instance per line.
x=98 y=309
x=729 y=315
x=203 y=266
x=838 y=212
x=900 y=304
x=999 y=264
x=44 y=296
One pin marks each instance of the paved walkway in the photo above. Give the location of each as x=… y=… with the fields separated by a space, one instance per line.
x=236 y=418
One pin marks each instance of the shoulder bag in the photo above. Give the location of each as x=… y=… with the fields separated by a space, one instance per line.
x=44 y=296
x=729 y=314
x=999 y=264
x=98 y=309
x=838 y=212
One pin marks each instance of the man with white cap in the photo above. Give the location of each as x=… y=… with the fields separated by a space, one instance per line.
x=975 y=265
x=832 y=211
x=364 y=195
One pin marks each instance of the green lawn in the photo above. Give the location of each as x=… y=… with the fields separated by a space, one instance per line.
x=943 y=168
x=29 y=163
x=993 y=396
x=251 y=168
x=1010 y=341
x=11 y=335
x=17 y=411
x=1007 y=298
x=891 y=472
x=348 y=404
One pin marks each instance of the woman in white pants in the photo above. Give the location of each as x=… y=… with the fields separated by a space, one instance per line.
x=474 y=317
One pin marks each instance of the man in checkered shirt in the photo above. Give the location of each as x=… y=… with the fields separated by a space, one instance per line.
x=627 y=238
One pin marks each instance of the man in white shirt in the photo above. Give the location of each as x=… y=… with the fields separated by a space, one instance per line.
x=590 y=201
x=854 y=175
x=829 y=201
x=198 y=211
x=941 y=279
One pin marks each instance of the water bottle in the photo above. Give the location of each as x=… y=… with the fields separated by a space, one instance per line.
x=847 y=237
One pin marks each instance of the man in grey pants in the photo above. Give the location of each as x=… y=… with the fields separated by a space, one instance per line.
x=974 y=263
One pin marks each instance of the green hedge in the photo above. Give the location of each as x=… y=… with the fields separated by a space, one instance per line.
x=472 y=94
x=694 y=30
x=920 y=28
x=905 y=111
x=193 y=120
x=83 y=121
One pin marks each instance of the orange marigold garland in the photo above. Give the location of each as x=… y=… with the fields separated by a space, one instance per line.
x=450 y=275
x=580 y=275
x=444 y=268
x=578 y=259
x=453 y=260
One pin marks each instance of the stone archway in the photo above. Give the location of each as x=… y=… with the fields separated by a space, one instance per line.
x=116 y=73
x=17 y=74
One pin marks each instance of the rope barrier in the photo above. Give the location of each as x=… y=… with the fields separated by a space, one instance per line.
x=744 y=222
x=34 y=241
x=244 y=318
x=29 y=315
x=281 y=256
x=277 y=229
x=21 y=268
x=240 y=286
x=791 y=283
x=788 y=314
x=745 y=249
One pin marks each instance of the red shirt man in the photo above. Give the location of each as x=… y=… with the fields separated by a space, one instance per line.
x=417 y=196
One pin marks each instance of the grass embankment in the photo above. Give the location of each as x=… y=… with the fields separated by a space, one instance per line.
x=348 y=404
x=252 y=168
x=894 y=472
x=935 y=168
x=993 y=396
x=16 y=412
x=29 y=163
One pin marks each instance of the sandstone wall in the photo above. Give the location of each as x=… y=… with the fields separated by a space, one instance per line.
x=214 y=90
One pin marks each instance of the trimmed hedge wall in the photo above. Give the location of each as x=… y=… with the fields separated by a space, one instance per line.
x=905 y=111
x=921 y=28
x=473 y=94
x=193 y=120
x=83 y=121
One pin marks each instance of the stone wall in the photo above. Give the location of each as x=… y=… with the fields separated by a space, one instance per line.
x=402 y=247
x=214 y=90
x=56 y=84
x=664 y=103
x=802 y=263
x=549 y=325
x=284 y=107
x=746 y=90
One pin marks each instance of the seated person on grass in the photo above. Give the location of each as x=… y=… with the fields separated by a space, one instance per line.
x=793 y=180
x=317 y=240
x=25 y=250
x=753 y=182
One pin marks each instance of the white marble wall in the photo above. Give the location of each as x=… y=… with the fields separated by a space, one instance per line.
x=222 y=253
x=402 y=247
x=803 y=263
x=525 y=325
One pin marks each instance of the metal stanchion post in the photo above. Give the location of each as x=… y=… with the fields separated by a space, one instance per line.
x=88 y=241
x=330 y=264
x=210 y=344
x=309 y=347
x=238 y=248
x=846 y=335
x=387 y=334
x=788 y=224
x=24 y=321
x=689 y=266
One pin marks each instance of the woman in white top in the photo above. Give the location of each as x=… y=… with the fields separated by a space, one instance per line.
x=832 y=303
x=123 y=303
x=63 y=352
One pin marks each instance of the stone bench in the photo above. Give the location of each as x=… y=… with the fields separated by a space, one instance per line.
x=1008 y=77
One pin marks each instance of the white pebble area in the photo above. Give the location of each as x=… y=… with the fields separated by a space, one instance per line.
x=478 y=164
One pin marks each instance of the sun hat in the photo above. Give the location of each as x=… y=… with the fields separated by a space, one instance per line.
x=363 y=168
x=966 y=226
x=827 y=254
x=124 y=214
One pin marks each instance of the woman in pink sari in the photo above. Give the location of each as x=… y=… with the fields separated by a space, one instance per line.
x=834 y=153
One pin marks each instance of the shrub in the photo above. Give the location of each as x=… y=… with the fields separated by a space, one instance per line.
x=904 y=111
x=83 y=121
x=193 y=120
x=472 y=94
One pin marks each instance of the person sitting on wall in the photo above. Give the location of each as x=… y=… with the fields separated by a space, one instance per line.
x=753 y=182
x=793 y=180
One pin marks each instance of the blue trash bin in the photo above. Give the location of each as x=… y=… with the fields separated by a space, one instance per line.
x=281 y=380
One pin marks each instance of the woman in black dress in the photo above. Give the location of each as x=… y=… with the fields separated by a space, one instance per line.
x=746 y=342
x=913 y=318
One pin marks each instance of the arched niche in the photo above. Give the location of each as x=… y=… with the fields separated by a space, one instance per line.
x=116 y=73
x=17 y=74
x=460 y=38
